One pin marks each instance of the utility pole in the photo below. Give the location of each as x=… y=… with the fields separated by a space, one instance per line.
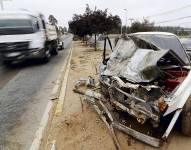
x=125 y=22
x=121 y=28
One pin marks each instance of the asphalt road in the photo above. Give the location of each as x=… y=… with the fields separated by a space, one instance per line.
x=25 y=89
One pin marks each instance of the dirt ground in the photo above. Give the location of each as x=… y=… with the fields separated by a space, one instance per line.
x=79 y=127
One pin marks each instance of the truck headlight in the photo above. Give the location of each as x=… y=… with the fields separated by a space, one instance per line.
x=36 y=44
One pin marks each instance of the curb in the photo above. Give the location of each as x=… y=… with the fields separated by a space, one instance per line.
x=55 y=95
x=57 y=88
x=62 y=91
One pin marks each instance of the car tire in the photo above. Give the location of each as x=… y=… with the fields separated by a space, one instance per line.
x=186 y=118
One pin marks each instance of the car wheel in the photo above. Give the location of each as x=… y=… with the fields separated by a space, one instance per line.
x=186 y=118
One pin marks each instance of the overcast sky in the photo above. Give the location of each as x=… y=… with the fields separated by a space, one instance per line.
x=63 y=10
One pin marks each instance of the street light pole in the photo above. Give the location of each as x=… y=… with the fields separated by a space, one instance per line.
x=121 y=28
x=125 y=20
x=1 y=2
x=131 y=19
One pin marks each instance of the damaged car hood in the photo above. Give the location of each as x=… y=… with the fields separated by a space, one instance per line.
x=136 y=64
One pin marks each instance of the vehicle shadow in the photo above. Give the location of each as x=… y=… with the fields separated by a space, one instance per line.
x=26 y=63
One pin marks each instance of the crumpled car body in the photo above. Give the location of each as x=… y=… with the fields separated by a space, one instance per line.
x=147 y=76
x=186 y=42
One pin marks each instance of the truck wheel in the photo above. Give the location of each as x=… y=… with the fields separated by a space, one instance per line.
x=62 y=46
x=186 y=118
x=54 y=50
x=7 y=62
x=47 y=55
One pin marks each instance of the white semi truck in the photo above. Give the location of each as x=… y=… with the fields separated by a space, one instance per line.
x=25 y=35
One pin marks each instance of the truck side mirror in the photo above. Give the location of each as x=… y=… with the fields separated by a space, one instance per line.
x=43 y=24
x=36 y=26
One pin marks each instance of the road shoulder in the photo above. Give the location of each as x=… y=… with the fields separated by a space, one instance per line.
x=51 y=105
x=78 y=126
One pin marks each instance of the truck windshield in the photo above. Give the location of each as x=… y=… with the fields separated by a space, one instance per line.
x=15 y=26
x=14 y=23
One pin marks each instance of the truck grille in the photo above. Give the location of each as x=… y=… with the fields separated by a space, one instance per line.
x=14 y=46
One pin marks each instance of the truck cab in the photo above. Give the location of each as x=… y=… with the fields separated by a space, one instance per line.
x=24 y=35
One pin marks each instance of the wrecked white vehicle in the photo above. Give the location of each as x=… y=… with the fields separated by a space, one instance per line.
x=147 y=77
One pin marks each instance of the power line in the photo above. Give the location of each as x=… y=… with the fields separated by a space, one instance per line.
x=185 y=22
x=170 y=11
x=180 y=18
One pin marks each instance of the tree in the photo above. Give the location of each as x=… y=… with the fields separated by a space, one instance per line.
x=79 y=26
x=62 y=30
x=101 y=22
x=142 y=26
x=52 y=20
x=65 y=29
x=173 y=29
x=94 y=22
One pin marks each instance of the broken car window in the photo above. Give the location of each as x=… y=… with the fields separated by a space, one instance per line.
x=167 y=42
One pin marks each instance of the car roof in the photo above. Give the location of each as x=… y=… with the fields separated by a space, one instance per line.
x=153 y=33
x=178 y=50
